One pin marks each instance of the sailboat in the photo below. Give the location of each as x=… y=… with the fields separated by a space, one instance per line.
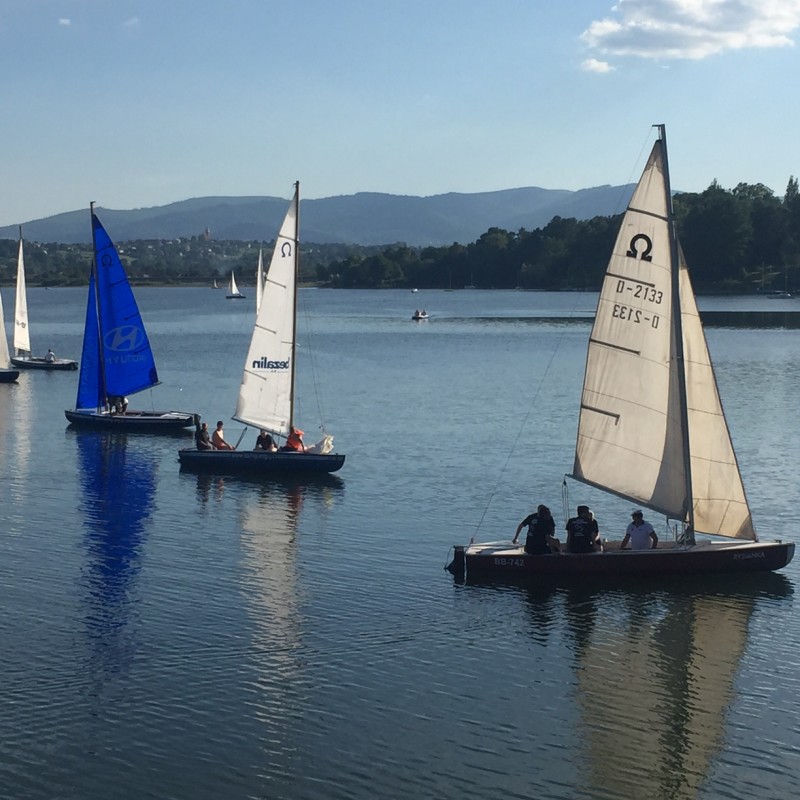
x=267 y=392
x=233 y=290
x=6 y=375
x=22 y=339
x=662 y=443
x=117 y=360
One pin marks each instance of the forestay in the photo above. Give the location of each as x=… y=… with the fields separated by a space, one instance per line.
x=267 y=390
x=648 y=397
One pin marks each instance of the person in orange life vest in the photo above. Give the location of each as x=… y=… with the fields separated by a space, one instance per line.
x=294 y=441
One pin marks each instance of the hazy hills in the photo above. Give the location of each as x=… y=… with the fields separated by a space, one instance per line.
x=366 y=218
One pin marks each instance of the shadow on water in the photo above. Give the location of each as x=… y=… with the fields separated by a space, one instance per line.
x=118 y=488
x=654 y=665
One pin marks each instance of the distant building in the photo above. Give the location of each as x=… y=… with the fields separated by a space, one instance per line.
x=206 y=235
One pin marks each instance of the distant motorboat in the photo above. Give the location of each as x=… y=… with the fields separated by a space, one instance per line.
x=420 y=315
x=414 y=290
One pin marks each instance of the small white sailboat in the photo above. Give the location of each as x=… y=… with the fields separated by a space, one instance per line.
x=662 y=443
x=267 y=392
x=6 y=375
x=233 y=290
x=22 y=341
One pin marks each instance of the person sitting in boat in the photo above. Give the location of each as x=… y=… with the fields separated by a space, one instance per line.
x=541 y=538
x=117 y=404
x=201 y=435
x=583 y=533
x=294 y=441
x=50 y=356
x=640 y=533
x=218 y=438
x=265 y=442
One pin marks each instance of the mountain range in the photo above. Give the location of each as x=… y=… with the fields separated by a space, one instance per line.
x=365 y=218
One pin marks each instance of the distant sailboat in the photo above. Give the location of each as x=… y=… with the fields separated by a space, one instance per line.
x=267 y=392
x=22 y=340
x=6 y=375
x=214 y=285
x=233 y=290
x=117 y=360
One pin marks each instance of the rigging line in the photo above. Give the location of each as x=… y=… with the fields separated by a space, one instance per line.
x=635 y=170
x=525 y=420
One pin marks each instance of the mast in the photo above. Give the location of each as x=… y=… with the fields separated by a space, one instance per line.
x=677 y=325
x=100 y=354
x=294 y=299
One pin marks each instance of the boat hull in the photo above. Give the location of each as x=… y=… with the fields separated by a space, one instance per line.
x=33 y=362
x=258 y=462
x=502 y=559
x=235 y=297
x=132 y=421
x=8 y=375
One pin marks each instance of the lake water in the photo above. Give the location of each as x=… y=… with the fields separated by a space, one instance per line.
x=165 y=635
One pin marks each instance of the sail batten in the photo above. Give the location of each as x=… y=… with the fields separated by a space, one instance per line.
x=651 y=426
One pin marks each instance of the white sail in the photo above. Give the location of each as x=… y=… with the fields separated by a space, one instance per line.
x=720 y=504
x=259 y=279
x=267 y=390
x=632 y=435
x=22 y=339
x=233 y=288
x=5 y=356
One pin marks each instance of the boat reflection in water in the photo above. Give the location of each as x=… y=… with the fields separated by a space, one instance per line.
x=278 y=520
x=654 y=676
x=118 y=489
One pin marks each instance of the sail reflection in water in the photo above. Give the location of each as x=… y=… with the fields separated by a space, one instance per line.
x=118 y=485
x=655 y=676
x=273 y=517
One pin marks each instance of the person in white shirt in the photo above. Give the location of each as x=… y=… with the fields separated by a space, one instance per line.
x=640 y=534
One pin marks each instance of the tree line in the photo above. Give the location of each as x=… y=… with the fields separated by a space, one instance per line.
x=739 y=240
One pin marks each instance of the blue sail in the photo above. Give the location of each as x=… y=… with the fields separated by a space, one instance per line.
x=126 y=355
x=91 y=387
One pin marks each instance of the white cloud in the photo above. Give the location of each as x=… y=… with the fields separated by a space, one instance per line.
x=593 y=65
x=694 y=29
x=133 y=22
x=65 y=23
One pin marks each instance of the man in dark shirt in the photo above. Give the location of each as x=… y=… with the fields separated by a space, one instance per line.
x=201 y=437
x=541 y=532
x=583 y=533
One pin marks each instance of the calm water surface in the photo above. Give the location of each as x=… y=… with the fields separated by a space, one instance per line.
x=166 y=635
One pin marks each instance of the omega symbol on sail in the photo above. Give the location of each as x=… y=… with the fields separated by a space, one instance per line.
x=647 y=244
x=124 y=339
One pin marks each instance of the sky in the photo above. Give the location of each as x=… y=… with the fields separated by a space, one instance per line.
x=138 y=103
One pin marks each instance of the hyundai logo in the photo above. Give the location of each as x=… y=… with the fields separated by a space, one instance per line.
x=124 y=339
